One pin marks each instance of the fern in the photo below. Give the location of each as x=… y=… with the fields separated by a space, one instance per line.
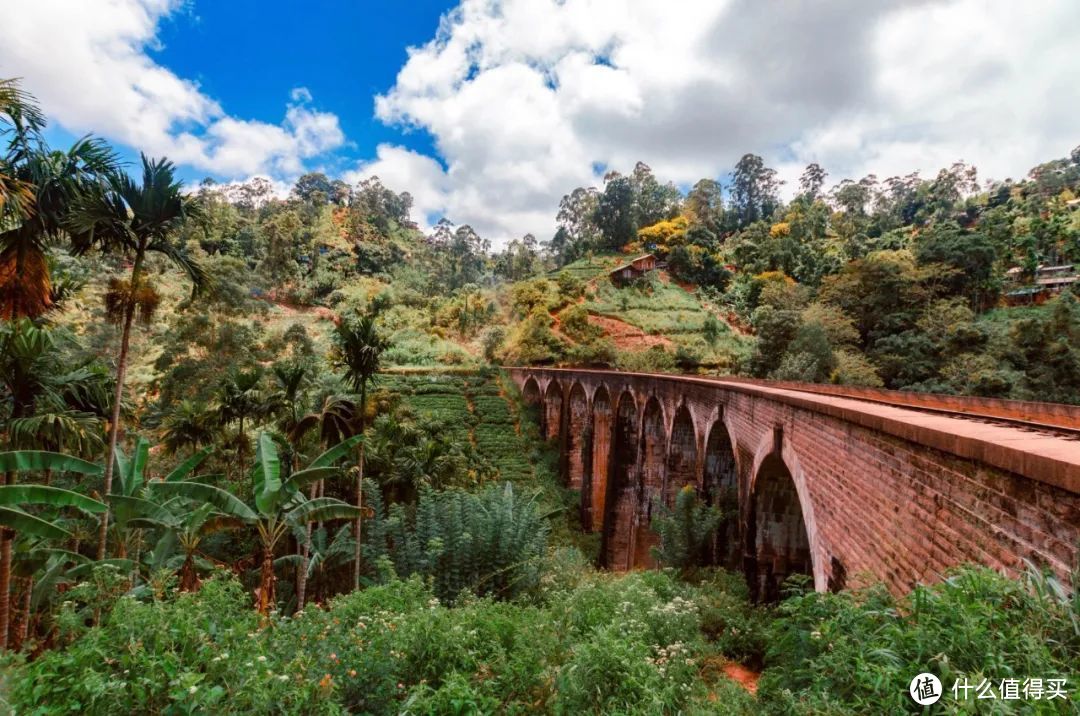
x=486 y=543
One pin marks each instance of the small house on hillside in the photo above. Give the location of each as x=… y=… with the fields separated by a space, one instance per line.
x=622 y=275
x=1047 y=282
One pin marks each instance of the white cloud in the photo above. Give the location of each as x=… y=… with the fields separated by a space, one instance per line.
x=86 y=62
x=524 y=97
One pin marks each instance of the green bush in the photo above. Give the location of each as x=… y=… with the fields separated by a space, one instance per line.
x=853 y=652
x=653 y=360
x=592 y=643
x=490 y=542
x=188 y=653
x=686 y=530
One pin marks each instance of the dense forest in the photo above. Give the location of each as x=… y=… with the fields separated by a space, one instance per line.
x=259 y=455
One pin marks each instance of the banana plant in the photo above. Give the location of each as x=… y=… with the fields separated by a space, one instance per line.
x=131 y=510
x=279 y=504
x=325 y=554
x=37 y=569
x=182 y=530
x=16 y=521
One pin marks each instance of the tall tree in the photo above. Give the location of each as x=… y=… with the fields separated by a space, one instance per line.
x=653 y=201
x=577 y=232
x=754 y=190
x=812 y=181
x=133 y=219
x=614 y=214
x=358 y=350
x=705 y=205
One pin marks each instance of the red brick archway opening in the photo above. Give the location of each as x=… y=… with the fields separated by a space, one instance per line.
x=619 y=502
x=594 y=494
x=531 y=392
x=553 y=411
x=720 y=488
x=653 y=459
x=777 y=542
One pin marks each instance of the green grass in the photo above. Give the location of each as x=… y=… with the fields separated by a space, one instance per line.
x=586 y=269
x=661 y=309
x=491 y=424
x=1006 y=315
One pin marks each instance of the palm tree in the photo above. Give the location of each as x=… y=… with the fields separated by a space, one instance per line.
x=21 y=117
x=48 y=405
x=188 y=426
x=279 y=505
x=240 y=397
x=358 y=350
x=190 y=527
x=132 y=511
x=38 y=188
x=15 y=520
x=133 y=219
x=288 y=400
x=326 y=554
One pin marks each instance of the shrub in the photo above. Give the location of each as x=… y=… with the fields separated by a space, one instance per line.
x=184 y=653
x=852 y=652
x=653 y=360
x=490 y=542
x=686 y=530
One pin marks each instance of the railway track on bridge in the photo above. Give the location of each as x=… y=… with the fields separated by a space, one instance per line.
x=1043 y=427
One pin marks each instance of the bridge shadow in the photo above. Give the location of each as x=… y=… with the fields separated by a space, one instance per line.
x=776 y=541
x=619 y=499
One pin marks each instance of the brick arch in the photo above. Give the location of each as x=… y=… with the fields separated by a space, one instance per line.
x=602 y=426
x=682 y=457
x=779 y=539
x=552 y=416
x=653 y=459
x=578 y=438
x=531 y=391
x=619 y=497
x=720 y=488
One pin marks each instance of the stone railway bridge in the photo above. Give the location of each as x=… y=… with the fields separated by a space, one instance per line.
x=834 y=482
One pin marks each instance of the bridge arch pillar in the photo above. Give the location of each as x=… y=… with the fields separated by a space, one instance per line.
x=553 y=411
x=682 y=457
x=594 y=493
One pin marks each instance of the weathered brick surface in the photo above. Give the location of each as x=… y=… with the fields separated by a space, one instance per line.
x=847 y=491
x=577 y=427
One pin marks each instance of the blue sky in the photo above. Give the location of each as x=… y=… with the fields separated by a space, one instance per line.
x=250 y=54
x=514 y=103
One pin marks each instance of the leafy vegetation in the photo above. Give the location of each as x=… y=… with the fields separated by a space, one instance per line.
x=257 y=456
